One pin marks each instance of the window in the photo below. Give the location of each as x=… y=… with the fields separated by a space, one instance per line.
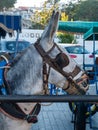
x=76 y=50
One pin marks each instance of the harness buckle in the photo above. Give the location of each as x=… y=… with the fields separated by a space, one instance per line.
x=32 y=118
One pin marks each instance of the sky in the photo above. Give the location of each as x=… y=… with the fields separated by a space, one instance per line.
x=30 y=3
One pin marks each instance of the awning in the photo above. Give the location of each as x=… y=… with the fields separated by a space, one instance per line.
x=92 y=34
x=76 y=26
x=9 y=23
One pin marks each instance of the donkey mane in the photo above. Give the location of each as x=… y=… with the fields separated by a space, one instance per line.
x=18 y=57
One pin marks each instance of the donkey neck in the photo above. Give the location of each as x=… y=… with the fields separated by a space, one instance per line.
x=25 y=77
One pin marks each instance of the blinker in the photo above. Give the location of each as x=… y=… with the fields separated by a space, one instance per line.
x=62 y=60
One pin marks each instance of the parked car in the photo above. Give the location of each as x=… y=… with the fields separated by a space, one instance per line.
x=80 y=55
x=13 y=46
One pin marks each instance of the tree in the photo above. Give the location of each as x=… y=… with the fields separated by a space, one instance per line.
x=70 y=10
x=65 y=37
x=85 y=10
x=53 y=1
x=64 y=17
x=42 y=17
x=5 y=4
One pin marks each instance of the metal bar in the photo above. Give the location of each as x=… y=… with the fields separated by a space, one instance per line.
x=47 y=98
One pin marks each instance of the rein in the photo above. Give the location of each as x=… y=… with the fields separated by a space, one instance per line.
x=45 y=78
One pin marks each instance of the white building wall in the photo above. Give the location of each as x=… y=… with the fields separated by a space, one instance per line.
x=30 y=35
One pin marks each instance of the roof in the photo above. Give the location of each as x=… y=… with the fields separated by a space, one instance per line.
x=91 y=34
x=9 y=23
x=76 y=26
x=88 y=28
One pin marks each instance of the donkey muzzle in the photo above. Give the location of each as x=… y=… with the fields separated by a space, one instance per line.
x=78 y=87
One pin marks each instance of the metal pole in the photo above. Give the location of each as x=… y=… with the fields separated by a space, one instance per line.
x=47 y=98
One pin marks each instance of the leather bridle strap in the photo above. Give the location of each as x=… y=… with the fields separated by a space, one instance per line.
x=51 y=62
x=45 y=78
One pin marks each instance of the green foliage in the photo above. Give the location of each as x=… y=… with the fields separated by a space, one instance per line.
x=84 y=10
x=53 y=1
x=42 y=17
x=87 y=10
x=65 y=37
x=6 y=4
x=71 y=10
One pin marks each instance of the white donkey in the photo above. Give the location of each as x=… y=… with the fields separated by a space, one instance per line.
x=27 y=74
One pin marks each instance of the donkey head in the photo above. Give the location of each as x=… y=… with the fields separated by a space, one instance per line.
x=66 y=73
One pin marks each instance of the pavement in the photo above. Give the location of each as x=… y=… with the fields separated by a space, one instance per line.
x=58 y=116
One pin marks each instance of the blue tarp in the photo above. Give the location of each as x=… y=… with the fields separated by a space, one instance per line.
x=9 y=23
x=2 y=63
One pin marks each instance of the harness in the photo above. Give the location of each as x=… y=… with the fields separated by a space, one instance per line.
x=13 y=110
x=58 y=64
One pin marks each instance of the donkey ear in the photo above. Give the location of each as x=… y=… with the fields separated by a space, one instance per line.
x=51 y=28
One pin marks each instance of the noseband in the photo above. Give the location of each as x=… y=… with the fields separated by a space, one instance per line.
x=58 y=64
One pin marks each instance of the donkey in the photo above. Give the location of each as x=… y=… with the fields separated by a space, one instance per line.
x=26 y=77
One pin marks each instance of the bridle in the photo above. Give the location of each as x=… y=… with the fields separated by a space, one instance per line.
x=58 y=66
x=13 y=110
